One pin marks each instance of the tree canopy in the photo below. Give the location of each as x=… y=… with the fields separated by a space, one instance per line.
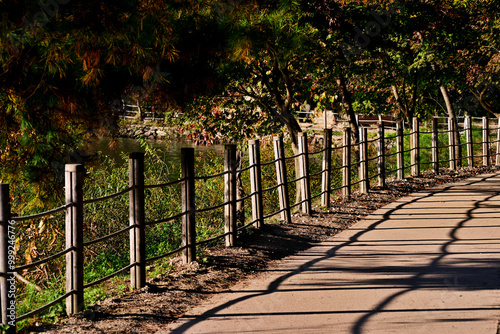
x=234 y=67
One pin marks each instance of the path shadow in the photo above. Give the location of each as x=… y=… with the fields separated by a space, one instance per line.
x=436 y=274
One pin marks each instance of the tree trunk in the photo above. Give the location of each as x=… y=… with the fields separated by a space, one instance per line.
x=293 y=128
x=484 y=102
x=347 y=103
x=453 y=117
x=403 y=107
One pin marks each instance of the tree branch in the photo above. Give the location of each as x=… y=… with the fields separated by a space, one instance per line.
x=25 y=281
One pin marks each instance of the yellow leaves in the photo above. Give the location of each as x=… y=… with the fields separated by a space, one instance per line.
x=112 y=57
x=170 y=53
x=15 y=103
x=92 y=77
x=137 y=51
x=243 y=50
x=17 y=245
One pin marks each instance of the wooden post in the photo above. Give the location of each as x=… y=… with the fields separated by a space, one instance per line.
x=381 y=154
x=305 y=182
x=451 y=144
x=256 y=183
x=230 y=219
x=435 y=146
x=279 y=153
x=346 y=163
x=486 y=142
x=497 y=155
x=458 y=144
x=137 y=219
x=188 y=205
x=400 y=151
x=415 y=148
x=139 y=110
x=468 y=136
x=74 y=237
x=7 y=279
x=326 y=182
x=363 y=160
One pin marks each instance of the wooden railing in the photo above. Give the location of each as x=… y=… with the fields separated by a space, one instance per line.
x=371 y=164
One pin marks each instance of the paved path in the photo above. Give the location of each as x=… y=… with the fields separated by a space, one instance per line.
x=428 y=263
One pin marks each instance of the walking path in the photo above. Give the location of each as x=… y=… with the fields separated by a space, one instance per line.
x=428 y=263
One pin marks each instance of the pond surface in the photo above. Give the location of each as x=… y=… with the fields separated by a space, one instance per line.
x=117 y=147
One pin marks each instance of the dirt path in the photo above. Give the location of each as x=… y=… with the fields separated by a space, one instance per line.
x=427 y=263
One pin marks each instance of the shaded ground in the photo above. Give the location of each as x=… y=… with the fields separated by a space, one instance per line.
x=168 y=296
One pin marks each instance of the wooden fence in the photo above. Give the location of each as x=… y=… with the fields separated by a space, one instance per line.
x=136 y=111
x=369 y=157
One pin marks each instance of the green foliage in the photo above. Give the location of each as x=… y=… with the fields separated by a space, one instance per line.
x=31 y=299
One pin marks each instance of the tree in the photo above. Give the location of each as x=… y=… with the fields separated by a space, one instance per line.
x=62 y=64
x=264 y=62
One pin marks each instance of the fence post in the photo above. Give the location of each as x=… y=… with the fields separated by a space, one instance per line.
x=304 y=174
x=451 y=144
x=458 y=143
x=363 y=160
x=469 y=141
x=400 y=151
x=381 y=154
x=188 y=205
x=137 y=219
x=279 y=153
x=486 y=144
x=230 y=194
x=326 y=181
x=497 y=156
x=256 y=183
x=468 y=138
x=415 y=148
x=435 y=146
x=74 y=237
x=7 y=279
x=346 y=163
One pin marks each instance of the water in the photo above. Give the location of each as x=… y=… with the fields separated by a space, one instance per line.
x=115 y=148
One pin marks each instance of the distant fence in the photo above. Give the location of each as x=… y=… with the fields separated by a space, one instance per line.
x=136 y=111
x=370 y=157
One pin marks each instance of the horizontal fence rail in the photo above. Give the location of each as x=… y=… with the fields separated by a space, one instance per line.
x=448 y=145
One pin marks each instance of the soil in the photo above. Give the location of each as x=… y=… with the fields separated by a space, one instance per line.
x=168 y=296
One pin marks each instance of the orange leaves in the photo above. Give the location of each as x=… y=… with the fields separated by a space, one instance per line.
x=91 y=62
x=92 y=77
x=91 y=59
